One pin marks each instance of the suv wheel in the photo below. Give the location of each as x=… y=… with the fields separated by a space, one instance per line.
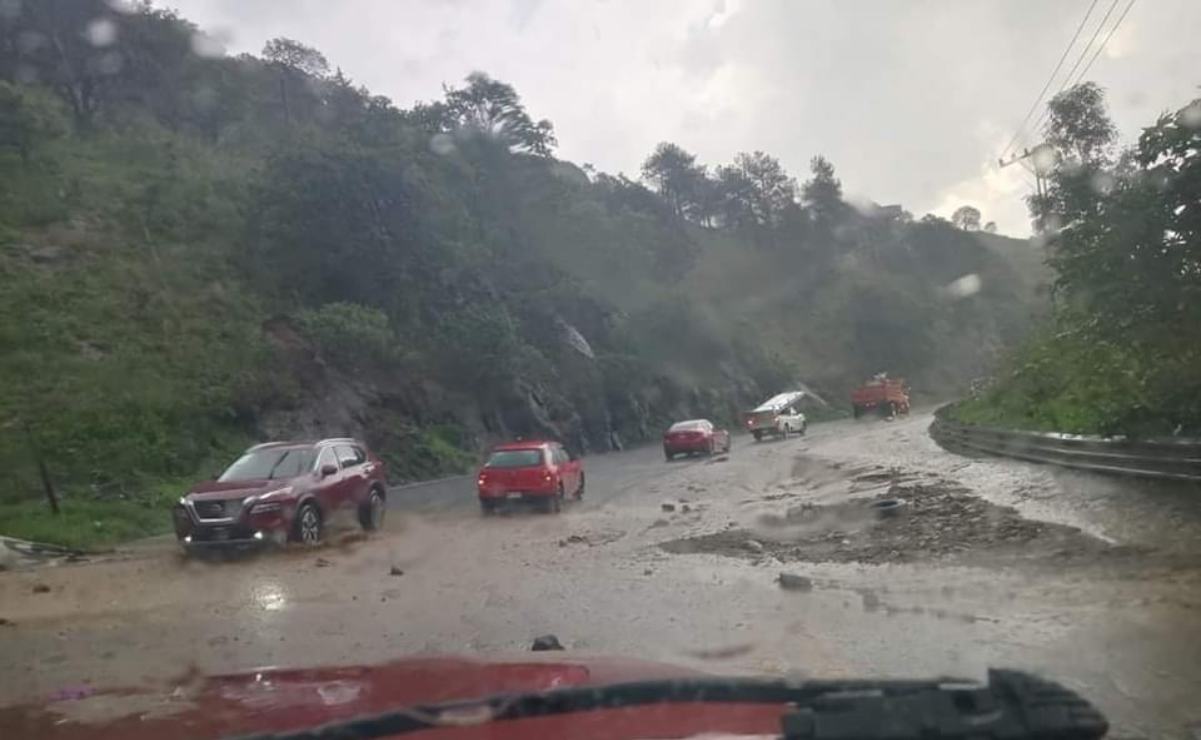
x=372 y=514
x=307 y=527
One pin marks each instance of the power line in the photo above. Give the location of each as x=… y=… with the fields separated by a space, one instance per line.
x=1108 y=36
x=1084 y=51
x=1068 y=81
x=1050 y=79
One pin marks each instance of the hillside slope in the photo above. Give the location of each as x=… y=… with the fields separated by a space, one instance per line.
x=177 y=281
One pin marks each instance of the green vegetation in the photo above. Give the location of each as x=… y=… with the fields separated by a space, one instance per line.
x=90 y=524
x=1122 y=353
x=198 y=251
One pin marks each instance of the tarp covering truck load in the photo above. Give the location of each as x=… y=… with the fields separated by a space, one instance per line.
x=778 y=416
x=882 y=395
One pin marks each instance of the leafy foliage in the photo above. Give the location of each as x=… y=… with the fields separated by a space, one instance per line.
x=1127 y=252
x=349 y=333
x=967 y=218
x=822 y=192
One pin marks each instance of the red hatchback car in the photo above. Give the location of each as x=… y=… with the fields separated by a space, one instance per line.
x=282 y=491
x=696 y=435
x=544 y=472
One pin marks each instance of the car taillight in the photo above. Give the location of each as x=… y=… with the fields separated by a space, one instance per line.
x=750 y=422
x=483 y=479
x=547 y=476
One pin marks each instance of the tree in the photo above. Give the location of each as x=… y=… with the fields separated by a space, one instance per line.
x=73 y=46
x=494 y=109
x=1080 y=135
x=676 y=176
x=1135 y=259
x=734 y=197
x=1078 y=125
x=822 y=193
x=990 y=227
x=294 y=61
x=27 y=115
x=772 y=188
x=966 y=218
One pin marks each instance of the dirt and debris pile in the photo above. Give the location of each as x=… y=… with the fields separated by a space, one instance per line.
x=907 y=524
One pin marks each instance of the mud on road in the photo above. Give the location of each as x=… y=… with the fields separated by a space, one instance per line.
x=936 y=521
x=984 y=563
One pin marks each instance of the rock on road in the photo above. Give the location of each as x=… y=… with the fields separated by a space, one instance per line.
x=1091 y=581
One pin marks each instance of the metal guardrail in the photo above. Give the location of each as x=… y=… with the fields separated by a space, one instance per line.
x=1169 y=458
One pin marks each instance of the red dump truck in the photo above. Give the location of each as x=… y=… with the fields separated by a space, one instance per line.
x=881 y=395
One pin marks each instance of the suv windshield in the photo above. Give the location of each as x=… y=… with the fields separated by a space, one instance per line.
x=287 y=462
x=515 y=459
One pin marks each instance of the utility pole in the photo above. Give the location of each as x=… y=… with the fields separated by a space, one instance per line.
x=1038 y=161
x=1035 y=161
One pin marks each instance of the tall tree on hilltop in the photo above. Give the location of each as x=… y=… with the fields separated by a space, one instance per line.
x=822 y=193
x=294 y=61
x=495 y=109
x=967 y=218
x=676 y=176
x=1078 y=125
x=735 y=195
x=1080 y=135
x=772 y=188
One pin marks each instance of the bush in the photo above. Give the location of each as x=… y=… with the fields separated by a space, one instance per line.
x=349 y=334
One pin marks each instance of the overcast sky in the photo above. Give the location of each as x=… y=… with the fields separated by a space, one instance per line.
x=911 y=101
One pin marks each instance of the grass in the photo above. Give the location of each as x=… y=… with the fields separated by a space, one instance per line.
x=89 y=524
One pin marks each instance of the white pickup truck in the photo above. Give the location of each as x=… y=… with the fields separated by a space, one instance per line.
x=778 y=416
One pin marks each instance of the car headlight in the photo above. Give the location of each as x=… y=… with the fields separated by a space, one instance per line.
x=183 y=500
x=268 y=502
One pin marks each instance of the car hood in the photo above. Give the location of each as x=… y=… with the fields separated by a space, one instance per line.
x=275 y=699
x=236 y=488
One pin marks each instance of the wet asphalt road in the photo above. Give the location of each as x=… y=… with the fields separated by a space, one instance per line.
x=1128 y=638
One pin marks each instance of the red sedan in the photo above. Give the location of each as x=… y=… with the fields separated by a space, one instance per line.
x=544 y=472
x=696 y=435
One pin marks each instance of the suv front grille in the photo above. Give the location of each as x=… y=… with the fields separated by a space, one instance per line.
x=227 y=509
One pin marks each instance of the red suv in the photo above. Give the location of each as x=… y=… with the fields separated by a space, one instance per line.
x=282 y=491
x=536 y=471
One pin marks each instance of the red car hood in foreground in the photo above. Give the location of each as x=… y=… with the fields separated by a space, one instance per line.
x=278 y=699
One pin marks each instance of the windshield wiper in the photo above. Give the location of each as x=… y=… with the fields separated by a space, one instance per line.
x=1010 y=706
x=280 y=461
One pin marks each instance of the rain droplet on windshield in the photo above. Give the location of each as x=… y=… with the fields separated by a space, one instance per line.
x=1102 y=183
x=10 y=9
x=30 y=41
x=442 y=144
x=109 y=63
x=25 y=74
x=968 y=285
x=1191 y=116
x=204 y=45
x=101 y=32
